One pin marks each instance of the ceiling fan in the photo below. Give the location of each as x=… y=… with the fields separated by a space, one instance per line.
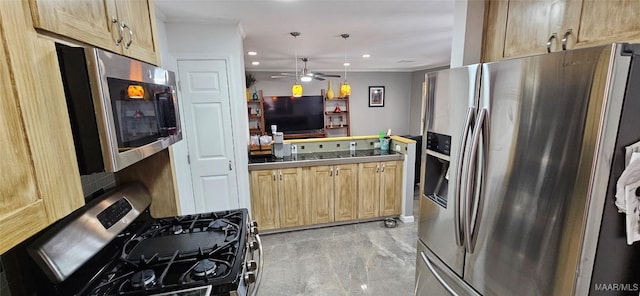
x=305 y=74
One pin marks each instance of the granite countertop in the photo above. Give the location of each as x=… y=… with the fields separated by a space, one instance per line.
x=322 y=158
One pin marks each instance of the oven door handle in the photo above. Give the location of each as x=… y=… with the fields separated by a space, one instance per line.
x=260 y=266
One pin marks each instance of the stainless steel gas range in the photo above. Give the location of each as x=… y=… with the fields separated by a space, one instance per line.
x=113 y=246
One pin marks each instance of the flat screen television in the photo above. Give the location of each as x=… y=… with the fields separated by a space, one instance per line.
x=294 y=115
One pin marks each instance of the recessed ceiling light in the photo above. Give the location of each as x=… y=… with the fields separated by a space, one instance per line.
x=255 y=63
x=346 y=64
x=252 y=53
x=366 y=55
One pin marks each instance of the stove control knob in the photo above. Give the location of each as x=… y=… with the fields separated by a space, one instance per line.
x=254 y=230
x=249 y=278
x=253 y=223
x=253 y=245
x=251 y=265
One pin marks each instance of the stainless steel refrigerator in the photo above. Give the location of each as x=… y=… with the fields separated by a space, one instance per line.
x=520 y=162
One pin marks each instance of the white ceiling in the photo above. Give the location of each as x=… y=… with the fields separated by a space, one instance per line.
x=400 y=35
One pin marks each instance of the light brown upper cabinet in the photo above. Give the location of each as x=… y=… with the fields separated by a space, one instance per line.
x=125 y=27
x=40 y=181
x=527 y=27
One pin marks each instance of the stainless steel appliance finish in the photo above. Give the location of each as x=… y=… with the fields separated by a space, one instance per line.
x=447 y=117
x=121 y=110
x=103 y=65
x=53 y=252
x=533 y=167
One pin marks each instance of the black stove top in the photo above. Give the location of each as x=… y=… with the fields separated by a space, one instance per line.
x=178 y=253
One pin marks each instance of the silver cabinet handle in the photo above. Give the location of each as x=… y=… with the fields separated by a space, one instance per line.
x=565 y=38
x=274 y=175
x=115 y=21
x=337 y=171
x=550 y=41
x=331 y=172
x=280 y=176
x=458 y=194
x=383 y=167
x=377 y=168
x=122 y=27
x=435 y=273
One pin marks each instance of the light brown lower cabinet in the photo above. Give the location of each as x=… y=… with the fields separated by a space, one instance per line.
x=390 y=188
x=380 y=189
x=276 y=198
x=323 y=194
x=332 y=192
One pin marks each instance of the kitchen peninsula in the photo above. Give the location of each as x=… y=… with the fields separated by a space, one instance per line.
x=328 y=183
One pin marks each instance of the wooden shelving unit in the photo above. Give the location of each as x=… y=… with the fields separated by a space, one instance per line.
x=256 y=115
x=256 y=125
x=336 y=121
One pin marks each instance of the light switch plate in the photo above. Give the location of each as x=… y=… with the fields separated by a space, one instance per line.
x=376 y=144
x=398 y=147
x=294 y=149
x=352 y=146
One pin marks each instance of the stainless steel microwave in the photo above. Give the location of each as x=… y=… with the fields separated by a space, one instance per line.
x=121 y=110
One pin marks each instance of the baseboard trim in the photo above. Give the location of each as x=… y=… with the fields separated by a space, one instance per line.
x=407 y=219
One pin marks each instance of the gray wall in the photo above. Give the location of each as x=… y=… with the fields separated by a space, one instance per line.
x=365 y=120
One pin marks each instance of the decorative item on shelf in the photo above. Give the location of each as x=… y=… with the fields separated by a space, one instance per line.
x=345 y=88
x=254 y=96
x=258 y=111
x=296 y=89
x=330 y=91
x=330 y=122
x=337 y=109
x=341 y=124
x=249 y=81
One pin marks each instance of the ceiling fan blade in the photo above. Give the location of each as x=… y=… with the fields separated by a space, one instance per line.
x=279 y=76
x=328 y=75
x=318 y=78
x=288 y=74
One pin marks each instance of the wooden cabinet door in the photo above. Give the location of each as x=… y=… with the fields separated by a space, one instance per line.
x=138 y=17
x=264 y=199
x=320 y=184
x=345 y=192
x=391 y=188
x=609 y=21
x=529 y=25
x=291 y=197
x=88 y=21
x=368 y=190
x=40 y=181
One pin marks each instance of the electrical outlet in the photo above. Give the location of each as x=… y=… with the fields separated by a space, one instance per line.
x=294 y=148
x=398 y=148
x=352 y=146
x=376 y=144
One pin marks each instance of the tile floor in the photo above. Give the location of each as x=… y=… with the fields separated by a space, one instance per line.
x=356 y=259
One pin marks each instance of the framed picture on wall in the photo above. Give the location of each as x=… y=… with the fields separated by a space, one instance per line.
x=376 y=96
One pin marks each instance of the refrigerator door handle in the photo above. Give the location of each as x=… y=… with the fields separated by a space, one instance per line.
x=457 y=195
x=435 y=273
x=470 y=188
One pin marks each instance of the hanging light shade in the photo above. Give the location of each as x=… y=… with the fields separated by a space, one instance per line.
x=296 y=89
x=345 y=88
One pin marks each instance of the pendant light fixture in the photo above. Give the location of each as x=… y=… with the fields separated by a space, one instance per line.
x=296 y=89
x=345 y=88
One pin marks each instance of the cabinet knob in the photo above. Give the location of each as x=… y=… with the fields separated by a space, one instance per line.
x=337 y=171
x=565 y=38
x=550 y=41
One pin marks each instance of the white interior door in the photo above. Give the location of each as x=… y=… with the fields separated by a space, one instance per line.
x=205 y=93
